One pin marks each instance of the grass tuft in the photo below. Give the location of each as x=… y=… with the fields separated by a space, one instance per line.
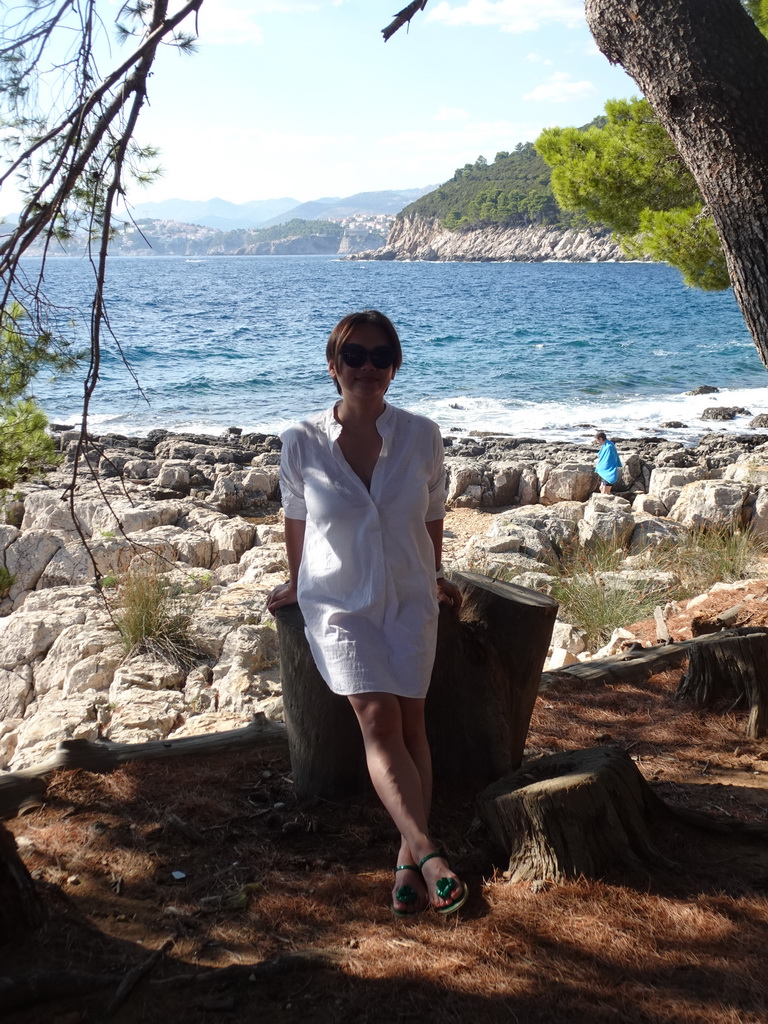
x=593 y=603
x=153 y=617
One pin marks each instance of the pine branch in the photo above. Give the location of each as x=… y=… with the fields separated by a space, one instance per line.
x=403 y=17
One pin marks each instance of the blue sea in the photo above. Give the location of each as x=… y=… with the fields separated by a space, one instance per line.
x=547 y=350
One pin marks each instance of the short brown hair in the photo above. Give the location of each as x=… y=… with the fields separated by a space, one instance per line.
x=344 y=329
x=600 y=436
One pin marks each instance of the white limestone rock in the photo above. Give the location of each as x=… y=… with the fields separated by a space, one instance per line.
x=144 y=672
x=231 y=539
x=559 y=658
x=83 y=657
x=651 y=533
x=607 y=518
x=27 y=557
x=759 y=520
x=15 y=691
x=646 y=504
x=142 y=714
x=705 y=504
x=507 y=534
x=668 y=481
x=749 y=468
x=558 y=523
x=568 y=481
x=568 y=637
x=9 y=738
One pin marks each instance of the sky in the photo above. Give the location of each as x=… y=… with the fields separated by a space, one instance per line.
x=303 y=99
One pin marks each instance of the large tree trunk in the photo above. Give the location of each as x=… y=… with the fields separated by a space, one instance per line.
x=481 y=696
x=703 y=66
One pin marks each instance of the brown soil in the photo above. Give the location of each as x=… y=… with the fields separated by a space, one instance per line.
x=280 y=913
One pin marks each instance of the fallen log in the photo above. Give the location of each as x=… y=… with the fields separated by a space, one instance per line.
x=484 y=684
x=634 y=666
x=25 y=789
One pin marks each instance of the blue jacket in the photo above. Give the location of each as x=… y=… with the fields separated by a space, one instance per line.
x=608 y=463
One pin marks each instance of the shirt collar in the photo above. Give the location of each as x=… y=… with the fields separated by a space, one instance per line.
x=385 y=424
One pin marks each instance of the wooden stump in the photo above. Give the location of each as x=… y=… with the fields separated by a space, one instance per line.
x=733 y=665
x=20 y=908
x=573 y=814
x=484 y=684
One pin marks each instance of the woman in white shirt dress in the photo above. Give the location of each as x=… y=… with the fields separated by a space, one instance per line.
x=363 y=487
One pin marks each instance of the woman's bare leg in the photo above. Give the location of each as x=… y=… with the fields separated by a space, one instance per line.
x=400 y=766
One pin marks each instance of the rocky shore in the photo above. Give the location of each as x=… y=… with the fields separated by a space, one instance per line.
x=420 y=238
x=205 y=512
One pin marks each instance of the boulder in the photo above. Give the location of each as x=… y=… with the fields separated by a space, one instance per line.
x=569 y=481
x=750 y=469
x=558 y=523
x=81 y=658
x=650 y=533
x=759 y=520
x=15 y=691
x=27 y=557
x=509 y=535
x=706 y=504
x=668 y=481
x=607 y=519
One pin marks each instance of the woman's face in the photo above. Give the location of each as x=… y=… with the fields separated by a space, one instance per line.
x=367 y=380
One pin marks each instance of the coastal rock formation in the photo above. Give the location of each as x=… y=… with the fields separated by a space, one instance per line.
x=201 y=515
x=420 y=238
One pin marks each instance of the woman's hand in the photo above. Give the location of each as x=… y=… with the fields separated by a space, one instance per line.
x=449 y=593
x=281 y=595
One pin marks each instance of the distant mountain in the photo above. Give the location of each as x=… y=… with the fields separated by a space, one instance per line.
x=216 y=213
x=388 y=202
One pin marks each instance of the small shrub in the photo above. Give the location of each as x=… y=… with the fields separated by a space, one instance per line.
x=108 y=582
x=7 y=579
x=151 y=618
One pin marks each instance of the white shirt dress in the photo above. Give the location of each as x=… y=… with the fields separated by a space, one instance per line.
x=366 y=585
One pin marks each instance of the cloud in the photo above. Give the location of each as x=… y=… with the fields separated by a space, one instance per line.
x=560 y=89
x=510 y=15
x=230 y=22
x=536 y=58
x=450 y=114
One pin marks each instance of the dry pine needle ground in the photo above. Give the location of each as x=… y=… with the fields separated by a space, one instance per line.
x=259 y=879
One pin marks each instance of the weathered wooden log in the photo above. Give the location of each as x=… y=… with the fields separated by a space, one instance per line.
x=25 y=789
x=567 y=815
x=633 y=666
x=726 y=666
x=20 y=908
x=484 y=684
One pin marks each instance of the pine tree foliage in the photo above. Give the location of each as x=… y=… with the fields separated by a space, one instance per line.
x=626 y=173
x=67 y=142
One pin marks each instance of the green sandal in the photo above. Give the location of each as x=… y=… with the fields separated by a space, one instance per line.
x=445 y=886
x=406 y=893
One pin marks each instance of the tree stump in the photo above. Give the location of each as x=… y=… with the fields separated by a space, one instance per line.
x=724 y=666
x=573 y=814
x=20 y=908
x=484 y=684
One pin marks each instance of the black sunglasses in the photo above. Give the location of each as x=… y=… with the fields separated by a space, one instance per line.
x=356 y=356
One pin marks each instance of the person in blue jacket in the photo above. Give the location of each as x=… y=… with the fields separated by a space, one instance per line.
x=608 y=463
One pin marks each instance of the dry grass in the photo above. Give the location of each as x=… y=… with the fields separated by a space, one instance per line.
x=261 y=881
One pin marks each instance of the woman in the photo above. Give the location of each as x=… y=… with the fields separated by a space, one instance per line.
x=363 y=487
x=608 y=463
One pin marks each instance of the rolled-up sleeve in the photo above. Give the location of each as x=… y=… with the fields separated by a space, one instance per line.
x=291 y=480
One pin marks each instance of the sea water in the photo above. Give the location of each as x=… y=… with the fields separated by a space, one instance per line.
x=546 y=350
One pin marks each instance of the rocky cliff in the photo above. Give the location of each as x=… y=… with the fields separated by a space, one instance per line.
x=420 y=238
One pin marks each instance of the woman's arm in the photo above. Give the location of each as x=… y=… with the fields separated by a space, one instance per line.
x=447 y=592
x=285 y=593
